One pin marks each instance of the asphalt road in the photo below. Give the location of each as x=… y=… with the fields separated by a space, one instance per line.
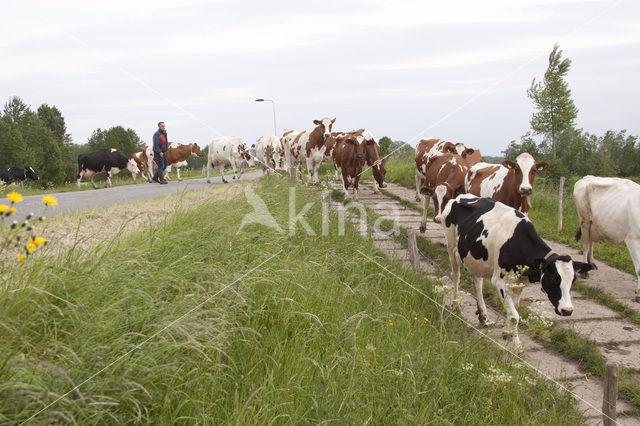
x=69 y=202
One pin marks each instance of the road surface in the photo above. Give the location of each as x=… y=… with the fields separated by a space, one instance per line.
x=69 y=202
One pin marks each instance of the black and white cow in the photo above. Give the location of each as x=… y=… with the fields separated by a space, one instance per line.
x=11 y=174
x=492 y=239
x=110 y=161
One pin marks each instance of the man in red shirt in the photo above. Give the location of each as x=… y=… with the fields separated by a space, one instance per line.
x=160 y=145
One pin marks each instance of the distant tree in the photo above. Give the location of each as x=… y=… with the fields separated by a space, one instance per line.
x=555 y=110
x=124 y=140
x=53 y=119
x=527 y=144
x=622 y=150
x=384 y=142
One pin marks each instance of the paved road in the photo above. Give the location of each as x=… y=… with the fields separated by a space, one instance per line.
x=69 y=202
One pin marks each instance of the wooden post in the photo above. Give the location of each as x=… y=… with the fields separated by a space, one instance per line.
x=561 y=204
x=414 y=257
x=610 y=394
x=293 y=174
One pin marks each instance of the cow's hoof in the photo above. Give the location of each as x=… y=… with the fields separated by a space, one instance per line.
x=234 y=178
x=637 y=299
x=208 y=181
x=584 y=275
x=418 y=199
x=179 y=180
x=422 y=229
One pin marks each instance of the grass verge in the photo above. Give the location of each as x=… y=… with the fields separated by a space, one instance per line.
x=318 y=334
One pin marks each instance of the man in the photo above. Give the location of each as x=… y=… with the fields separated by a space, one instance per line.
x=160 y=145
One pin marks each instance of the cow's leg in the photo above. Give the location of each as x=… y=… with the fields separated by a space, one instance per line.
x=79 y=178
x=511 y=325
x=108 y=182
x=134 y=176
x=482 y=308
x=419 y=183
x=587 y=245
x=309 y=169
x=345 y=183
x=178 y=174
x=356 y=180
x=634 y=250
x=241 y=171
x=221 y=169
x=423 y=222
x=208 y=171
x=92 y=175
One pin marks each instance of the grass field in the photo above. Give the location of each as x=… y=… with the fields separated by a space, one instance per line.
x=543 y=214
x=316 y=334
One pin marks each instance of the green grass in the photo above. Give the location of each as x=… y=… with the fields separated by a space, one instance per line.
x=401 y=171
x=317 y=334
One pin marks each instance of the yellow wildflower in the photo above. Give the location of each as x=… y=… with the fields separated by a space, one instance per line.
x=31 y=247
x=50 y=201
x=20 y=258
x=39 y=241
x=14 y=197
x=426 y=319
x=3 y=208
x=415 y=318
x=12 y=210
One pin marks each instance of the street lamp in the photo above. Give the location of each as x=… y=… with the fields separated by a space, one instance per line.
x=273 y=104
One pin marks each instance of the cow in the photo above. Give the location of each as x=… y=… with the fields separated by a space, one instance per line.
x=372 y=155
x=443 y=182
x=177 y=155
x=269 y=152
x=11 y=174
x=110 y=161
x=607 y=209
x=429 y=148
x=349 y=159
x=312 y=141
x=510 y=183
x=492 y=240
x=293 y=154
x=225 y=150
x=145 y=163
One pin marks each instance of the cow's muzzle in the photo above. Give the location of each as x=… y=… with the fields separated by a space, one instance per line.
x=566 y=312
x=359 y=156
x=526 y=191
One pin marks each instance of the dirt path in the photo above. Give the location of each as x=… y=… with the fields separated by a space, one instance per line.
x=590 y=319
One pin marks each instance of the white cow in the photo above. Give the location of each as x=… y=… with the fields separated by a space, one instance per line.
x=225 y=150
x=269 y=152
x=608 y=209
x=313 y=144
x=293 y=152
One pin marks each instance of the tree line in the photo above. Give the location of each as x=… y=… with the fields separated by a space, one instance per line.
x=39 y=139
x=570 y=150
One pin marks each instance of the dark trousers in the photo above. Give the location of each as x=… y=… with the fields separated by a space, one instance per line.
x=161 y=162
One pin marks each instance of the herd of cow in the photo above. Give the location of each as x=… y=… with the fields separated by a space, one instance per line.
x=482 y=207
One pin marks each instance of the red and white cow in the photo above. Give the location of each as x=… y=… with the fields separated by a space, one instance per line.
x=225 y=150
x=608 y=211
x=315 y=149
x=444 y=181
x=144 y=160
x=177 y=154
x=270 y=153
x=349 y=159
x=429 y=148
x=510 y=183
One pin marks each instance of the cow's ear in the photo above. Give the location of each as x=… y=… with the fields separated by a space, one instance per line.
x=509 y=164
x=253 y=145
x=468 y=151
x=449 y=148
x=582 y=267
x=384 y=161
x=333 y=121
x=317 y=122
x=541 y=166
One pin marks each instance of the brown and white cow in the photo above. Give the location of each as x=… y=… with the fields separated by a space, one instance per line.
x=429 y=148
x=510 y=183
x=177 y=155
x=144 y=160
x=444 y=181
x=313 y=143
x=349 y=159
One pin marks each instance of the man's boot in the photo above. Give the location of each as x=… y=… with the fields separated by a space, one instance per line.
x=163 y=181
x=155 y=178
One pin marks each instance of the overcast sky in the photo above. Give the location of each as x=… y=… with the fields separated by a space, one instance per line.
x=455 y=70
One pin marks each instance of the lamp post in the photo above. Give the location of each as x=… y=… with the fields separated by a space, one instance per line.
x=273 y=104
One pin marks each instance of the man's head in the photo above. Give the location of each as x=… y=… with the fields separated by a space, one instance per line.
x=161 y=125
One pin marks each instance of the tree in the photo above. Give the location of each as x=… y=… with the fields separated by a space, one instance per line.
x=556 y=111
x=527 y=144
x=384 y=142
x=124 y=140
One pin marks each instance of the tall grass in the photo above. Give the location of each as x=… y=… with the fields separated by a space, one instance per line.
x=318 y=334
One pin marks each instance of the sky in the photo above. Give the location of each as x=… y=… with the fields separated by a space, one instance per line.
x=455 y=70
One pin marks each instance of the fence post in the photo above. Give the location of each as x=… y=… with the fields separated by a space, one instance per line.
x=610 y=394
x=293 y=174
x=414 y=257
x=561 y=204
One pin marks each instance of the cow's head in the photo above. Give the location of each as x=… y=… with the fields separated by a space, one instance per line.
x=325 y=126
x=132 y=166
x=557 y=274
x=246 y=153
x=195 y=150
x=463 y=151
x=524 y=168
x=355 y=142
x=31 y=174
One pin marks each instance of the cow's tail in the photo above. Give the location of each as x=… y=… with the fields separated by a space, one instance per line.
x=579 y=233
